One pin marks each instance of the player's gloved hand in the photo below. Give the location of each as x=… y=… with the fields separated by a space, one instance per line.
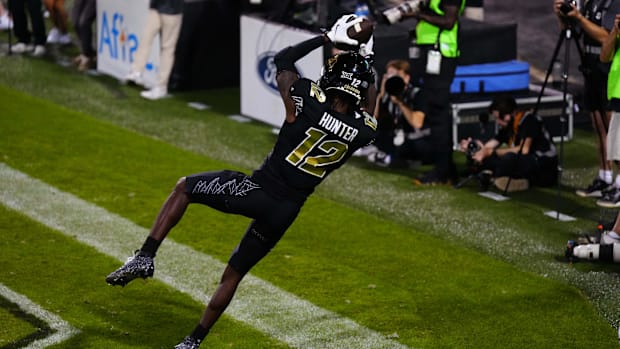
x=366 y=49
x=338 y=33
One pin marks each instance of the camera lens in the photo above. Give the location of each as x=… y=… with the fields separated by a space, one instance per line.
x=395 y=85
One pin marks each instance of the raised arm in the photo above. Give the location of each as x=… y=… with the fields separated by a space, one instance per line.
x=287 y=73
x=285 y=59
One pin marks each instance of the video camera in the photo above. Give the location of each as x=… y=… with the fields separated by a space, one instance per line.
x=395 y=14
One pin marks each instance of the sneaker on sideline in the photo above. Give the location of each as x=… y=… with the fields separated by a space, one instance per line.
x=188 y=343
x=513 y=184
x=39 y=51
x=610 y=199
x=155 y=93
x=136 y=266
x=86 y=64
x=134 y=77
x=382 y=159
x=609 y=237
x=64 y=39
x=365 y=151
x=79 y=60
x=53 y=36
x=594 y=190
x=21 y=47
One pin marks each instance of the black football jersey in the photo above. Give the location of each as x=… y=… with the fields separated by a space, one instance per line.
x=318 y=142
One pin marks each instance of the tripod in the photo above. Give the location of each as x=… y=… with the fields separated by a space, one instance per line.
x=483 y=178
x=565 y=35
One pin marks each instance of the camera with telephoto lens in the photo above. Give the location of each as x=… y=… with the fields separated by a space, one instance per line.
x=472 y=148
x=595 y=252
x=395 y=14
x=567 y=6
x=395 y=86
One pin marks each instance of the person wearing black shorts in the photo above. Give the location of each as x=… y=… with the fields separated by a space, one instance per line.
x=594 y=20
x=324 y=124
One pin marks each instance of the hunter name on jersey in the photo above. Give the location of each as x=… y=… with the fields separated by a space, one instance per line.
x=338 y=127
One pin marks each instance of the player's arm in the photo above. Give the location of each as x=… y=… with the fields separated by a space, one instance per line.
x=287 y=73
x=371 y=100
x=286 y=58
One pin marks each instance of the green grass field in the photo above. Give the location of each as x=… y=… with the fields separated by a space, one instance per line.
x=421 y=267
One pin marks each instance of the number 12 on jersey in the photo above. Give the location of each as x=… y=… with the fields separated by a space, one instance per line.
x=314 y=153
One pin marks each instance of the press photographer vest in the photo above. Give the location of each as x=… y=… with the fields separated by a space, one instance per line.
x=613 y=82
x=427 y=33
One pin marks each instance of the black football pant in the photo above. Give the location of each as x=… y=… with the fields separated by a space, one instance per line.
x=237 y=193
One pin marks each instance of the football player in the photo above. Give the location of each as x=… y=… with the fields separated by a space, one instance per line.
x=324 y=124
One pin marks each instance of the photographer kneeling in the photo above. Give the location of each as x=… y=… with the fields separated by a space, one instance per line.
x=529 y=156
x=401 y=133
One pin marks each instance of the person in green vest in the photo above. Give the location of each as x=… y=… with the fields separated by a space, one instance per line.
x=436 y=36
x=610 y=53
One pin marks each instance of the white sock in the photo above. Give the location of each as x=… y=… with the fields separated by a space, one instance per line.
x=606 y=175
x=617 y=182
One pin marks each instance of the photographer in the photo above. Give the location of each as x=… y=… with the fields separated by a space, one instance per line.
x=436 y=36
x=401 y=133
x=529 y=155
x=594 y=21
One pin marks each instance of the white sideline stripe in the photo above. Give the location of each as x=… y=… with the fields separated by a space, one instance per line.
x=258 y=303
x=63 y=330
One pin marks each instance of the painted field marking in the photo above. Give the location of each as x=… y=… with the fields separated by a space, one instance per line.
x=62 y=329
x=258 y=303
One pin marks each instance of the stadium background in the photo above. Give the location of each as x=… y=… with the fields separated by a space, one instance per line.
x=424 y=267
